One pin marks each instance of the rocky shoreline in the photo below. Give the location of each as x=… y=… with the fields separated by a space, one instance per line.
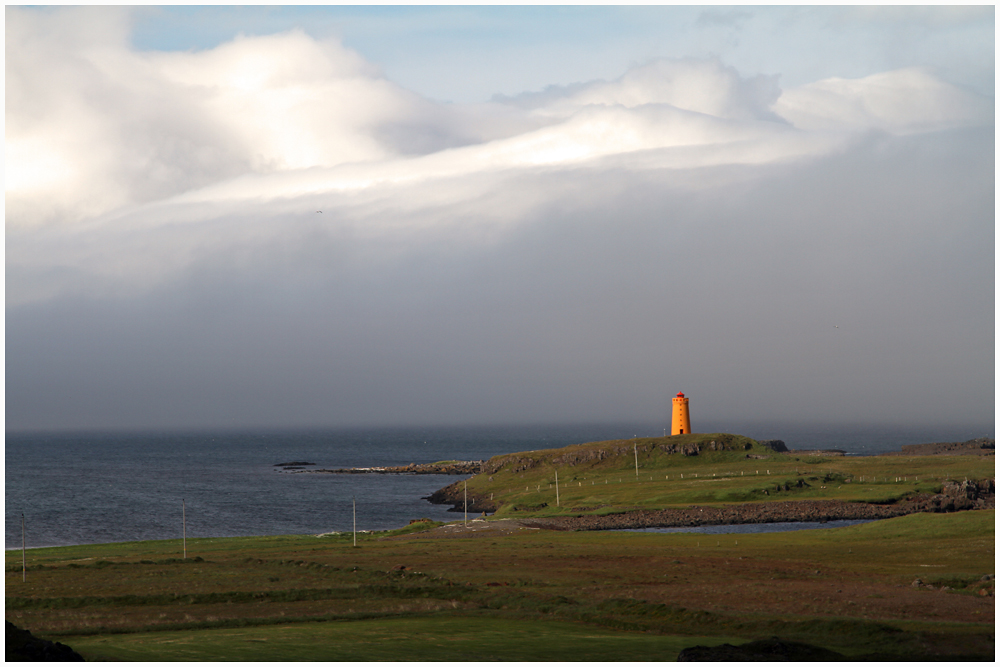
x=440 y=468
x=954 y=497
x=975 y=447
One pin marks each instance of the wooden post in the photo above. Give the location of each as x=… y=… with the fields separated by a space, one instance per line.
x=184 y=528
x=636 y=452
x=24 y=559
x=354 y=502
x=465 y=502
x=557 y=488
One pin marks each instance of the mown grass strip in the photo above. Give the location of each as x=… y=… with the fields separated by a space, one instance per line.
x=225 y=623
x=288 y=595
x=429 y=639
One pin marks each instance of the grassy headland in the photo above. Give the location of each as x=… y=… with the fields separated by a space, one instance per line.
x=715 y=468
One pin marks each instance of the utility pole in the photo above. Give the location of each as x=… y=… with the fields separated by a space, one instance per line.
x=465 y=502
x=557 y=488
x=184 y=528
x=355 y=501
x=635 y=451
x=24 y=560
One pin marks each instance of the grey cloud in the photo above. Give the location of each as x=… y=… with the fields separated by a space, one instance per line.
x=615 y=291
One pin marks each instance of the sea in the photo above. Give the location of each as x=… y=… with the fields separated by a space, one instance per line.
x=91 y=488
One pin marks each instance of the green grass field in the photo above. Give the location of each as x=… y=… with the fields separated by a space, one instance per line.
x=604 y=477
x=527 y=595
x=444 y=638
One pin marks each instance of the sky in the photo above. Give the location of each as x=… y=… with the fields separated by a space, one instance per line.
x=250 y=217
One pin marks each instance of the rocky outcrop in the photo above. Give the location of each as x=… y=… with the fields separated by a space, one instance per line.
x=513 y=462
x=454 y=495
x=976 y=446
x=693 y=449
x=774 y=445
x=22 y=646
x=958 y=496
x=721 y=444
x=802 y=510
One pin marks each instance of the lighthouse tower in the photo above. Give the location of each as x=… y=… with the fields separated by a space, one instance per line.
x=680 y=421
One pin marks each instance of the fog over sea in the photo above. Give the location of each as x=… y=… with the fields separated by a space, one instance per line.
x=80 y=488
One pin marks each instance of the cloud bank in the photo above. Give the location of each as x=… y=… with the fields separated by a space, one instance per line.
x=270 y=232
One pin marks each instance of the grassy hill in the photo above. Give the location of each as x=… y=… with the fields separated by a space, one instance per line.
x=713 y=468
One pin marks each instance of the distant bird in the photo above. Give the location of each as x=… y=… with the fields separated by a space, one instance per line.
x=835 y=326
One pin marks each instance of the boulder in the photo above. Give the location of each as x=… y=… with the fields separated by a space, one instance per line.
x=22 y=646
x=774 y=445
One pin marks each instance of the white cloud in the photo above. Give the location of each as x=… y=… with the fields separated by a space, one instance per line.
x=261 y=128
x=93 y=125
x=900 y=102
x=702 y=86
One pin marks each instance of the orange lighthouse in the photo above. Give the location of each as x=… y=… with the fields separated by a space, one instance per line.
x=680 y=421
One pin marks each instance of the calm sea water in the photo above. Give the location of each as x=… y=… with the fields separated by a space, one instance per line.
x=94 y=488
